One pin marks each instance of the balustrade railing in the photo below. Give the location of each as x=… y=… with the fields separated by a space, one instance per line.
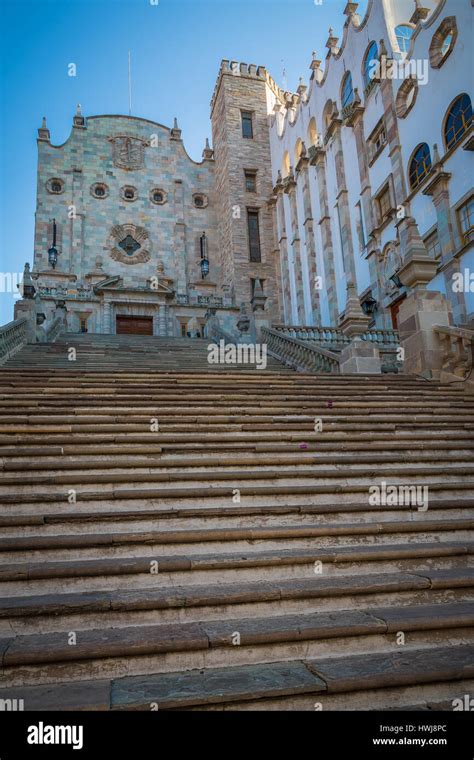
x=13 y=336
x=335 y=337
x=54 y=329
x=300 y=354
x=457 y=345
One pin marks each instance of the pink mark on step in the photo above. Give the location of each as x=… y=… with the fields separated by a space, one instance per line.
x=303 y=446
x=330 y=405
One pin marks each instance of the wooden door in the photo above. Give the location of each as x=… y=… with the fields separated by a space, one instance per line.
x=394 y=309
x=131 y=325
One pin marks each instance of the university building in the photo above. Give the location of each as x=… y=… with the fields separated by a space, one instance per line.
x=302 y=195
x=290 y=534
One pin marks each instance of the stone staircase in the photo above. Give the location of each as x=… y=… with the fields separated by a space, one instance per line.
x=125 y=352
x=178 y=538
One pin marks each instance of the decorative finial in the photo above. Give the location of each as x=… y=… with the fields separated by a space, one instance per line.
x=43 y=131
x=79 y=120
x=175 y=132
x=420 y=13
x=332 y=41
x=207 y=153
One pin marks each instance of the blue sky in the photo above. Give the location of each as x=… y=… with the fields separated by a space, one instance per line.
x=176 y=49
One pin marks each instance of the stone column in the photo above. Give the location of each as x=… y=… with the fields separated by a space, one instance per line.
x=438 y=189
x=422 y=309
x=107 y=318
x=343 y=207
x=283 y=249
x=162 y=321
x=302 y=169
x=393 y=136
x=76 y=229
x=360 y=356
x=318 y=161
x=272 y=205
x=290 y=188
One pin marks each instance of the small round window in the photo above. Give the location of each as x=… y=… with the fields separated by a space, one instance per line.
x=129 y=193
x=158 y=196
x=99 y=190
x=55 y=186
x=200 y=201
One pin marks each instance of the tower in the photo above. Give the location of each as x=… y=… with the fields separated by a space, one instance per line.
x=239 y=113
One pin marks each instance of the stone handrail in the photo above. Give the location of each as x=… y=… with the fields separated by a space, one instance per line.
x=457 y=345
x=382 y=337
x=299 y=354
x=54 y=329
x=13 y=336
x=319 y=334
x=335 y=337
x=216 y=332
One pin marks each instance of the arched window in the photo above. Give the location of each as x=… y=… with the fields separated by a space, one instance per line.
x=403 y=33
x=347 y=92
x=298 y=149
x=420 y=165
x=286 y=167
x=458 y=120
x=312 y=132
x=369 y=68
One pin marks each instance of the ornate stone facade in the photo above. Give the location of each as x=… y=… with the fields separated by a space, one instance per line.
x=387 y=127
x=342 y=185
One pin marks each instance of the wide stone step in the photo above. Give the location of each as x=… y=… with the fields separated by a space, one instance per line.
x=144 y=640
x=307 y=681
x=231 y=594
x=115 y=513
x=279 y=533
x=187 y=563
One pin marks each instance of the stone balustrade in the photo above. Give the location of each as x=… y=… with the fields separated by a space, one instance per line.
x=457 y=346
x=299 y=354
x=13 y=336
x=382 y=337
x=335 y=337
x=54 y=329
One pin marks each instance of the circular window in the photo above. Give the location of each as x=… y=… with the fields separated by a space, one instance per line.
x=158 y=196
x=199 y=200
x=129 y=193
x=406 y=97
x=99 y=190
x=55 y=186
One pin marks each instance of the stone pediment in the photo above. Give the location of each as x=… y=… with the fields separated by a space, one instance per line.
x=110 y=283
x=116 y=285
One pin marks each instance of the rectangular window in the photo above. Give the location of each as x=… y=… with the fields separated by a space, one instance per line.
x=385 y=204
x=250 y=181
x=466 y=220
x=254 y=235
x=432 y=246
x=253 y=283
x=247 y=125
x=377 y=141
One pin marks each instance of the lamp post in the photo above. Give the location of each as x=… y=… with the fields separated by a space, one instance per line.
x=53 y=251
x=204 y=260
x=369 y=306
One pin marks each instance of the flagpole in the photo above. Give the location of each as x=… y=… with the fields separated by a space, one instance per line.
x=129 y=83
